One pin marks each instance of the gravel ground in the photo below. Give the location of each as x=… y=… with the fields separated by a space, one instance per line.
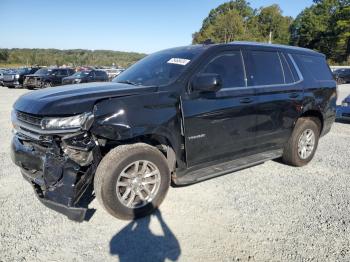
x=268 y=212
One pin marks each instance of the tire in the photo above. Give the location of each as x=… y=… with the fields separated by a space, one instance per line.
x=109 y=174
x=304 y=126
x=47 y=84
x=341 y=81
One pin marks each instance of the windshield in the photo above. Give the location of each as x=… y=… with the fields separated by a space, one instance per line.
x=81 y=74
x=43 y=71
x=23 y=70
x=160 y=68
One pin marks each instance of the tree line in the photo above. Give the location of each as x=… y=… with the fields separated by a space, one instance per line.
x=324 y=26
x=74 y=57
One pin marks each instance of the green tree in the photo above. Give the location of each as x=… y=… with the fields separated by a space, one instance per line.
x=210 y=23
x=271 y=21
x=325 y=26
x=227 y=27
x=4 y=55
x=78 y=57
x=236 y=20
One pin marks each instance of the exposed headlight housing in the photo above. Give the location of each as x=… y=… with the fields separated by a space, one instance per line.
x=72 y=122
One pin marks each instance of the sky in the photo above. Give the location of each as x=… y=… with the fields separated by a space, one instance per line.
x=129 y=25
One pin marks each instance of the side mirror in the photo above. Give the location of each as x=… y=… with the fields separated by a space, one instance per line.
x=207 y=82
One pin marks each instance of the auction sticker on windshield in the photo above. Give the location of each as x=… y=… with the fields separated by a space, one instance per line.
x=179 y=61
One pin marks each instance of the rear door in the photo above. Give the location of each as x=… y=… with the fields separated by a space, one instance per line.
x=279 y=96
x=220 y=125
x=61 y=73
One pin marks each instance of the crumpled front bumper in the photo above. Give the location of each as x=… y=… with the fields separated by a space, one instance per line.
x=58 y=181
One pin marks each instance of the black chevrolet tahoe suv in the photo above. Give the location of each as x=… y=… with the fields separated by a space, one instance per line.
x=178 y=117
x=86 y=76
x=15 y=78
x=47 y=77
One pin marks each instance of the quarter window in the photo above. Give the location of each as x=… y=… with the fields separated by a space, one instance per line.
x=263 y=68
x=230 y=68
x=315 y=66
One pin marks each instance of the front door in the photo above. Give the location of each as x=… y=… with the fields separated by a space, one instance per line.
x=220 y=125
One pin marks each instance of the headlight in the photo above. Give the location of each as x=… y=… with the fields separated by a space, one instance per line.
x=17 y=76
x=71 y=122
x=77 y=80
x=345 y=103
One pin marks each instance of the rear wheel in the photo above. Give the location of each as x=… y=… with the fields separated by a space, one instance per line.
x=302 y=144
x=132 y=180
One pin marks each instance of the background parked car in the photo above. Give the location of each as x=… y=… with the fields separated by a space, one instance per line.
x=1 y=77
x=342 y=75
x=15 y=78
x=113 y=72
x=47 y=77
x=85 y=77
x=344 y=110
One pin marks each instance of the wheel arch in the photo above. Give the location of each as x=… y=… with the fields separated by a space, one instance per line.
x=161 y=142
x=315 y=114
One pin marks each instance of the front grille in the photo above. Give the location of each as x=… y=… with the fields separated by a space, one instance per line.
x=29 y=119
x=346 y=114
x=9 y=77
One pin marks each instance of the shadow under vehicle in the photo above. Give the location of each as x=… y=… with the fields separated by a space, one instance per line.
x=179 y=116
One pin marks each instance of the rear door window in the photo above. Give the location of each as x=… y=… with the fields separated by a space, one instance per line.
x=229 y=66
x=263 y=68
x=62 y=72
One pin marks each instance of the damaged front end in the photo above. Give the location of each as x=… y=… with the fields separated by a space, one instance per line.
x=58 y=156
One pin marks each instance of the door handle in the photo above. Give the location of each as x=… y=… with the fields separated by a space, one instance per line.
x=246 y=100
x=294 y=95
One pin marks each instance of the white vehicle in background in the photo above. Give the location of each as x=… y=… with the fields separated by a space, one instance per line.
x=113 y=72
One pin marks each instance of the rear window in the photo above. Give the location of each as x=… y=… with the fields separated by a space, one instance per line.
x=314 y=66
x=263 y=68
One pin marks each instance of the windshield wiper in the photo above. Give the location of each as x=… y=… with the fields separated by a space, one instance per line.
x=128 y=82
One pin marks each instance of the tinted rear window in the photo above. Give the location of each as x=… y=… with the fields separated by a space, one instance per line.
x=263 y=68
x=315 y=66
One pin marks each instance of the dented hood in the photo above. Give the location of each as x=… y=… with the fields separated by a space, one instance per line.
x=73 y=99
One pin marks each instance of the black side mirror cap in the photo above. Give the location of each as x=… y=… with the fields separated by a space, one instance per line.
x=206 y=82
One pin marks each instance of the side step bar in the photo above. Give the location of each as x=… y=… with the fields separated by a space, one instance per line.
x=202 y=174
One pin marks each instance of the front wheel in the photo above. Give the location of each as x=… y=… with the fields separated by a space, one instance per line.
x=47 y=84
x=302 y=144
x=131 y=181
x=341 y=81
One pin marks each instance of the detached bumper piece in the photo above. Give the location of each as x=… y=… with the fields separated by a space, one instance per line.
x=58 y=181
